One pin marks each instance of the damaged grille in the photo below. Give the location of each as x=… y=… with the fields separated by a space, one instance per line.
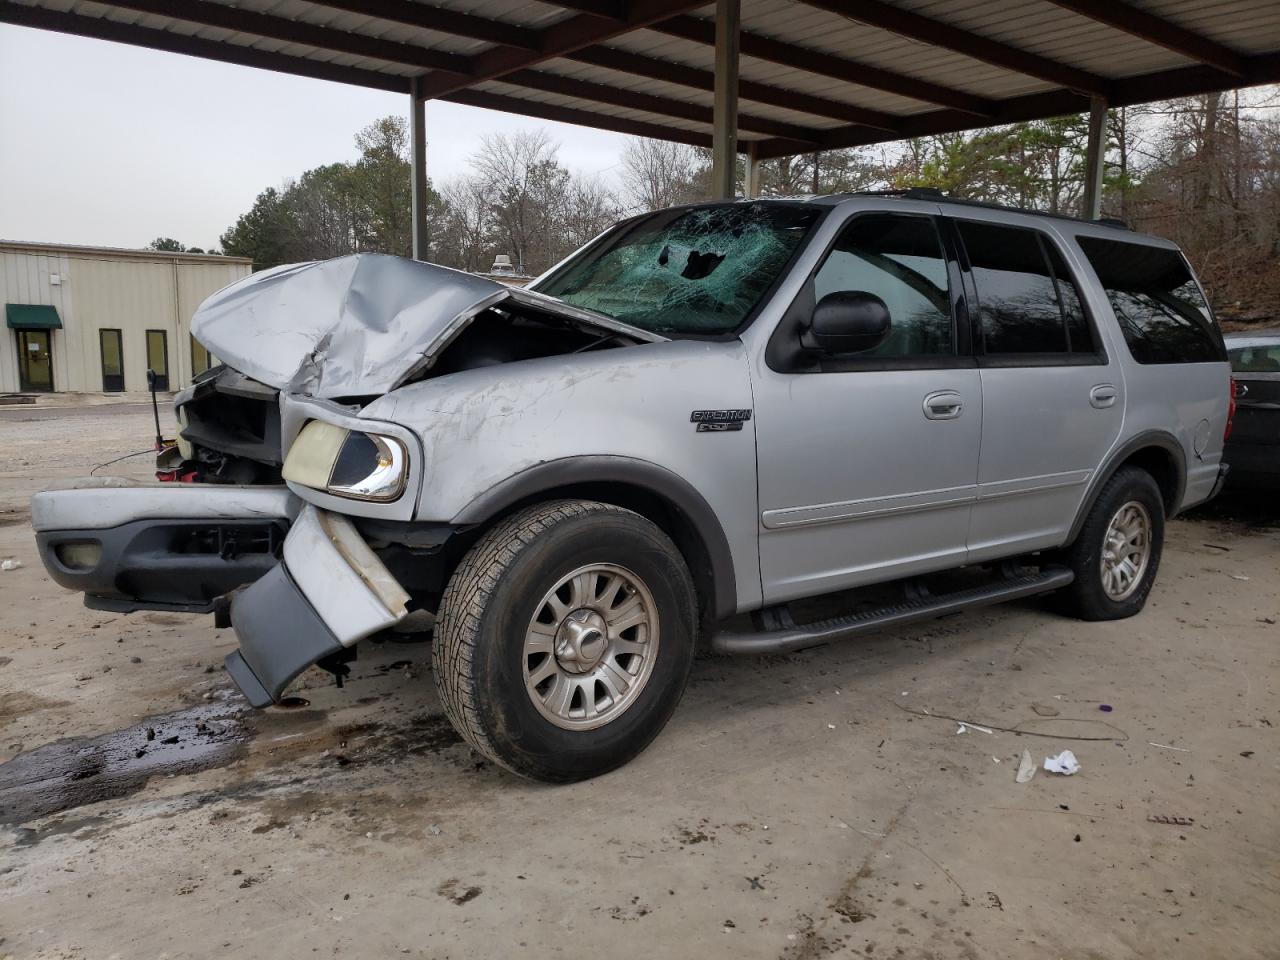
x=232 y=424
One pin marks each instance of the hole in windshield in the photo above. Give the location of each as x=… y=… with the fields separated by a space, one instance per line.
x=698 y=270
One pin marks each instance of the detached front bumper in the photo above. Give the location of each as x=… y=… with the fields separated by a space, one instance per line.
x=129 y=545
x=329 y=592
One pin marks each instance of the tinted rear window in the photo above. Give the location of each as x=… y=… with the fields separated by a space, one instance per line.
x=1161 y=311
x=1028 y=302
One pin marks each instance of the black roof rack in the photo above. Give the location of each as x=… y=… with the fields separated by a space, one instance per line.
x=933 y=193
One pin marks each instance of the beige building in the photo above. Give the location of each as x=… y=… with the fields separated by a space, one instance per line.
x=90 y=319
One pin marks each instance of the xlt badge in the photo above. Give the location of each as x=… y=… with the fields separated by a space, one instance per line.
x=719 y=421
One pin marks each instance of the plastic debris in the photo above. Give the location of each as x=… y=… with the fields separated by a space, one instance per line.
x=1165 y=746
x=1105 y=707
x=1239 y=576
x=10 y=565
x=1064 y=763
x=965 y=727
x=1174 y=821
x=1026 y=768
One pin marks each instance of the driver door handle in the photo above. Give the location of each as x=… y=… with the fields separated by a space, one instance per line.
x=943 y=405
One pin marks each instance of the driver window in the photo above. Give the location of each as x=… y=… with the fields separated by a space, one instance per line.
x=900 y=260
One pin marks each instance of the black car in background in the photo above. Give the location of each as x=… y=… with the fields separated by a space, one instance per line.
x=1253 y=450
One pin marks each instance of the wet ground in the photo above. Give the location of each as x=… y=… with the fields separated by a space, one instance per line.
x=856 y=800
x=83 y=770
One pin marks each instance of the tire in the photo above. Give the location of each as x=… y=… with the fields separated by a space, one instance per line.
x=498 y=625
x=1134 y=491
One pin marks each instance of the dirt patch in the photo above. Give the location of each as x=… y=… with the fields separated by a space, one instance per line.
x=77 y=771
x=19 y=703
x=9 y=517
x=453 y=891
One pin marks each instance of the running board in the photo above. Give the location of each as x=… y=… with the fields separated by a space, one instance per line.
x=783 y=635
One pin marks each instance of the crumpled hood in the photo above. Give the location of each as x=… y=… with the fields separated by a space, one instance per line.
x=357 y=325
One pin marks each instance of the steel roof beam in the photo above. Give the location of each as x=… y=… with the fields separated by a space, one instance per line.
x=583 y=118
x=936 y=33
x=441 y=21
x=277 y=28
x=1159 y=31
x=829 y=65
x=663 y=106
x=678 y=73
x=561 y=39
x=608 y=9
x=100 y=28
x=208 y=14
x=1165 y=84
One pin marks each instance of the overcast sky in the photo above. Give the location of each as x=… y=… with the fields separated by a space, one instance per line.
x=114 y=145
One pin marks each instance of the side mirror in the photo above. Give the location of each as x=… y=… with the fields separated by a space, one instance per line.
x=847 y=321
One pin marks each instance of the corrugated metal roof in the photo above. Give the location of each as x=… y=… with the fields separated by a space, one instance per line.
x=812 y=72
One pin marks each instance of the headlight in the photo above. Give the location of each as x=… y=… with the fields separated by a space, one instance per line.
x=347 y=463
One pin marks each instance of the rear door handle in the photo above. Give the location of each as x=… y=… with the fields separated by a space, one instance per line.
x=1103 y=395
x=943 y=405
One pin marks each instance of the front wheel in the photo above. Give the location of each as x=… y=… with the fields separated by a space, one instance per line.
x=565 y=639
x=1117 y=554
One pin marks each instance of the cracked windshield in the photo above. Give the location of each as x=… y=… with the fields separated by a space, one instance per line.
x=690 y=271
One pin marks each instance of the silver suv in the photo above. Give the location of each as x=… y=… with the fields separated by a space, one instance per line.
x=703 y=415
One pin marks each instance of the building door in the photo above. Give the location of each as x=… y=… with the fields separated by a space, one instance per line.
x=112 y=348
x=158 y=357
x=35 y=361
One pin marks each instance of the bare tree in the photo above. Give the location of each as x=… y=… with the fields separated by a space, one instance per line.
x=527 y=189
x=462 y=234
x=659 y=173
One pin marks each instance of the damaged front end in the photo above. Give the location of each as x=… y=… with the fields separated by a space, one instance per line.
x=297 y=523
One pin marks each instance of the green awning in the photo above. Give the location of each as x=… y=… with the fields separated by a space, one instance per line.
x=32 y=316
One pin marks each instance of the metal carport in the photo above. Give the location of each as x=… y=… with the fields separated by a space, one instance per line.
x=810 y=74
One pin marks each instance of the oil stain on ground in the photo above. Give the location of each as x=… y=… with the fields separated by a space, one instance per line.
x=81 y=770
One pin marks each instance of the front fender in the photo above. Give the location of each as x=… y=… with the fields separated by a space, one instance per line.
x=496 y=435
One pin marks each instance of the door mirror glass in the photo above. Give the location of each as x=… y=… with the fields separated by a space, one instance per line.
x=847 y=321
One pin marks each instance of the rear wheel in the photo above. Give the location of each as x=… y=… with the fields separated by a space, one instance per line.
x=565 y=639
x=1117 y=554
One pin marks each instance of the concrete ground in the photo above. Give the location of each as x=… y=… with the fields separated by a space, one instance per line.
x=820 y=804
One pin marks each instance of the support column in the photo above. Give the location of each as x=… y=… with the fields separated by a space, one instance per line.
x=418 y=167
x=1095 y=158
x=753 y=170
x=724 y=138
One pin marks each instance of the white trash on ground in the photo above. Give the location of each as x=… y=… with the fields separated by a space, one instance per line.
x=1064 y=763
x=1026 y=768
x=10 y=565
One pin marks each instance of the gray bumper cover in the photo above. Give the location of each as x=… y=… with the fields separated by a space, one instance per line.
x=329 y=592
x=168 y=546
x=280 y=635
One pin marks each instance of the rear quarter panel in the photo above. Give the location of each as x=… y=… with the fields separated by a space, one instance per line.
x=1188 y=401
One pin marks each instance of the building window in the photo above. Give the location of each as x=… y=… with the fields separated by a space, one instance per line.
x=158 y=357
x=111 y=343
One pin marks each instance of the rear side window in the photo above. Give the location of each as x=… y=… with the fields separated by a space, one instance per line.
x=1028 y=302
x=1160 y=309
